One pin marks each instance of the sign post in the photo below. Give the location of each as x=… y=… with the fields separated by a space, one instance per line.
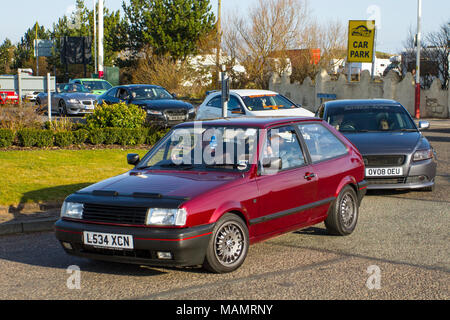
x=49 y=104
x=361 y=42
x=225 y=92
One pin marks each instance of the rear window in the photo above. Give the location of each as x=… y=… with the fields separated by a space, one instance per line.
x=266 y=102
x=322 y=144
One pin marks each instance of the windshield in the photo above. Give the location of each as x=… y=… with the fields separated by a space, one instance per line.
x=267 y=102
x=370 y=118
x=97 y=85
x=200 y=148
x=74 y=87
x=150 y=93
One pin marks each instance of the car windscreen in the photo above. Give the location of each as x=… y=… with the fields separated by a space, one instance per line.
x=362 y=118
x=204 y=148
x=97 y=85
x=150 y=93
x=266 y=102
x=74 y=87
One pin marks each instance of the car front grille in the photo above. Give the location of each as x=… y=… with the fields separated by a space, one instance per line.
x=88 y=102
x=399 y=180
x=180 y=112
x=114 y=214
x=384 y=160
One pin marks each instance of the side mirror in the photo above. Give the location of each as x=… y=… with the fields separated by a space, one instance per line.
x=174 y=95
x=424 y=125
x=133 y=158
x=274 y=163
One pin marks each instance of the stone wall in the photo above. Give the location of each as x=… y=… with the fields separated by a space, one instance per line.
x=434 y=102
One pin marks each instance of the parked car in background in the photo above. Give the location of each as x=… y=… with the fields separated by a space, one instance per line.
x=395 y=152
x=31 y=96
x=95 y=86
x=162 y=107
x=256 y=103
x=9 y=97
x=72 y=99
x=204 y=202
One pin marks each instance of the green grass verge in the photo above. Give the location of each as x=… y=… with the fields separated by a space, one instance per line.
x=40 y=176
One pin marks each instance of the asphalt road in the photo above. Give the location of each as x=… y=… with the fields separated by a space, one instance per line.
x=402 y=238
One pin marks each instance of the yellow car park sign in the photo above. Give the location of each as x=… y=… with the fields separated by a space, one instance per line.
x=361 y=37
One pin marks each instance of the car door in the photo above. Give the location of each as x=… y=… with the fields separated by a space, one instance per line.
x=328 y=159
x=211 y=109
x=110 y=97
x=285 y=193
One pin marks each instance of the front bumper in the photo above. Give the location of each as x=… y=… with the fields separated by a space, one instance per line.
x=79 y=108
x=164 y=121
x=187 y=245
x=420 y=175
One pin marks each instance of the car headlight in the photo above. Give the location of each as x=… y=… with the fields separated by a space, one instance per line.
x=73 y=101
x=420 y=155
x=166 y=217
x=153 y=112
x=191 y=110
x=72 y=210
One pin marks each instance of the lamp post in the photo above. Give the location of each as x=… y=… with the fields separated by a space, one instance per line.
x=418 y=38
x=100 y=38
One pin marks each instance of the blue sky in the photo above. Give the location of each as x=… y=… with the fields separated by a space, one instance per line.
x=394 y=17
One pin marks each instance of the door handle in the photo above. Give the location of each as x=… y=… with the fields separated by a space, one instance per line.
x=308 y=176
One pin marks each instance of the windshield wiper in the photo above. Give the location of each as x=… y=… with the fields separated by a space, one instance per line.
x=184 y=166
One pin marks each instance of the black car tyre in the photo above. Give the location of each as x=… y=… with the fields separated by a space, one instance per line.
x=62 y=108
x=228 y=245
x=343 y=213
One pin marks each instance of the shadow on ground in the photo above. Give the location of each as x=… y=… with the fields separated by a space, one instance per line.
x=37 y=201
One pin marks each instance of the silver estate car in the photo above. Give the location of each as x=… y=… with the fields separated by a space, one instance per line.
x=395 y=152
x=69 y=99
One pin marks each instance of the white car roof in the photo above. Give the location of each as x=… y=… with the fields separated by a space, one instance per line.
x=251 y=92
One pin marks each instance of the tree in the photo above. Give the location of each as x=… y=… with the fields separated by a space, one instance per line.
x=167 y=26
x=6 y=55
x=439 y=49
x=23 y=54
x=259 y=41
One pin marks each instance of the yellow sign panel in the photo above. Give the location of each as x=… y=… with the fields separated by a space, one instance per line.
x=361 y=37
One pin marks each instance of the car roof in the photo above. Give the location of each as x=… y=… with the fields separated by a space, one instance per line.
x=251 y=122
x=247 y=92
x=89 y=79
x=360 y=102
x=139 y=85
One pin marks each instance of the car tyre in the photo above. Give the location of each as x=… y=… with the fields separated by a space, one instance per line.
x=228 y=246
x=62 y=108
x=343 y=213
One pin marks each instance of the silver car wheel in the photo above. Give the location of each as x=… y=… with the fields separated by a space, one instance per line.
x=347 y=209
x=229 y=244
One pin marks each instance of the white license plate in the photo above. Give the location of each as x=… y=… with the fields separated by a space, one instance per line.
x=384 y=172
x=89 y=107
x=177 y=117
x=108 y=240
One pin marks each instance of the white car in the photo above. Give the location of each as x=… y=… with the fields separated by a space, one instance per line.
x=256 y=103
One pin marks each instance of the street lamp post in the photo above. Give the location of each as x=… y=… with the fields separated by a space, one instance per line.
x=418 y=38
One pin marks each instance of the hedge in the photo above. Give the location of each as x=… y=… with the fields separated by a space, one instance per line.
x=6 y=137
x=35 y=137
x=29 y=137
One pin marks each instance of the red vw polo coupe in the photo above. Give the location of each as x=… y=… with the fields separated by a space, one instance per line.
x=208 y=190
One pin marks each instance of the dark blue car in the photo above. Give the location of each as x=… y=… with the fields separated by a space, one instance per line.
x=162 y=107
x=395 y=152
